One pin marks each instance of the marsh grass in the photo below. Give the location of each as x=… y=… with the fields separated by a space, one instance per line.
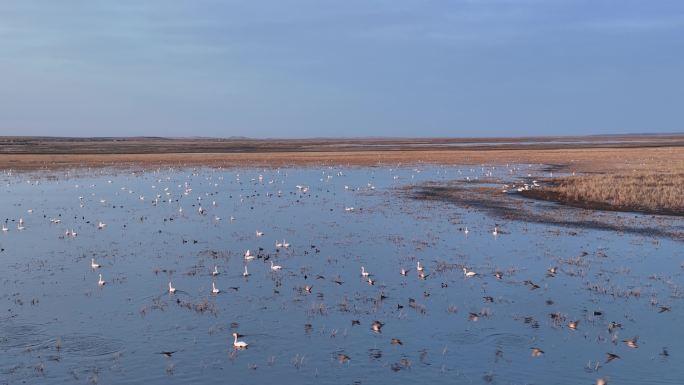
x=648 y=192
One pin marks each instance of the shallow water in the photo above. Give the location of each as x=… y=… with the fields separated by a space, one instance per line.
x=58 y=325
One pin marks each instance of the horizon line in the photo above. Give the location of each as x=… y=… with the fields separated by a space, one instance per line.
x=370 y=137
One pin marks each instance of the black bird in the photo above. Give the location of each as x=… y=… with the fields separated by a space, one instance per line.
x=610 y=357
x=614 y=325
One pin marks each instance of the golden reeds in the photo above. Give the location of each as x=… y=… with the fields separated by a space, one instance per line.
x=643 y=191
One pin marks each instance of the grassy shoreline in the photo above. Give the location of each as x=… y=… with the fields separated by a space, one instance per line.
x=642 y=192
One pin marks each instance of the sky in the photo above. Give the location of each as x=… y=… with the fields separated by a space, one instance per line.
x=346 y=68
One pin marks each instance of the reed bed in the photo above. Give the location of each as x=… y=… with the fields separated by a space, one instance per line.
x=649 y=192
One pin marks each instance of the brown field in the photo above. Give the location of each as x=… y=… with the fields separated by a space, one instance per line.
x=633 y=173
x=581 y=154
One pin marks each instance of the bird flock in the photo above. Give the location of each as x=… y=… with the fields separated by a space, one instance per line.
x=296 y=266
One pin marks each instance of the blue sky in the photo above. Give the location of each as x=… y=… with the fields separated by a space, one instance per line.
x=301 y=68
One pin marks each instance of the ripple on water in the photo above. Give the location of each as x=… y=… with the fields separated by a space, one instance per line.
x=14 y=335
x=86 y=345
x=476 y=337
x=508 y=339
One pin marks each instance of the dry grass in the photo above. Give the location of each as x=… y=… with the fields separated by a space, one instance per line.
x=650 y=192
x=580 y=160
x=641 y=153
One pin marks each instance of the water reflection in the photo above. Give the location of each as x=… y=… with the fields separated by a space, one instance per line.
x=542 y=301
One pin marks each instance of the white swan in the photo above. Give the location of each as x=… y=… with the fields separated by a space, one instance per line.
x=364 y=273
x=171 y=288
x=101 y=225
x=94 y=265
x=468 y=274
x=275 y=267
x=248 y=255
x=214 y=290
x=239 y=344
x=246 y=273
x=101 y=282
x=419 y=267
x=259 y=233
x=496 y=231
x=215 y=272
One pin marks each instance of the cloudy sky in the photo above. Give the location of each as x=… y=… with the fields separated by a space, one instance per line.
x=302 y=68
